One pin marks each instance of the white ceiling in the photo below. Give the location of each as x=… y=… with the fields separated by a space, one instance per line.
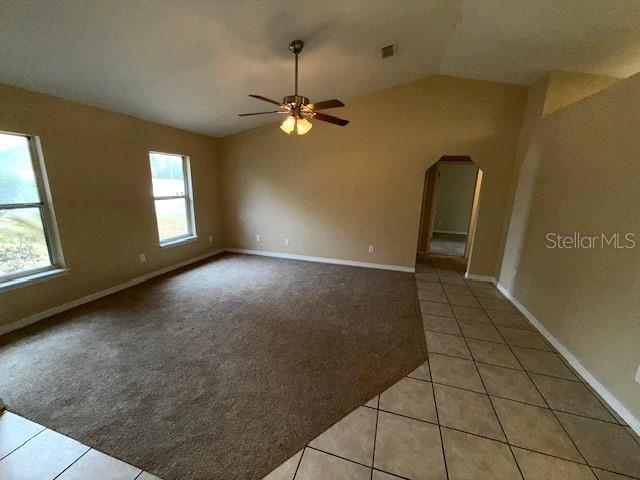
x=191 y=63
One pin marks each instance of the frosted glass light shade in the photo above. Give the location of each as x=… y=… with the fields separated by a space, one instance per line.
x=288 y=125
x=300 y=126
x=303 y=126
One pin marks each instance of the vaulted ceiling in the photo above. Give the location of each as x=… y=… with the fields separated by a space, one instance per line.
x=191 y=63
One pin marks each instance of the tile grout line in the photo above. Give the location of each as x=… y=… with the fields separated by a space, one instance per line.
x=304 y=449
x=74 y=462
x=375 y=436
x=83 y=444
x=503 y=366
x=507 y=398
x=338 y=456
x=506 y=443
x=25 y=442
x=484 y=339
x=475 y=366
x=538 y=390
x=553 y=351
x=435 y=405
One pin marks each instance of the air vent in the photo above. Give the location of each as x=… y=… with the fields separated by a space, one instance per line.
x=388 y=50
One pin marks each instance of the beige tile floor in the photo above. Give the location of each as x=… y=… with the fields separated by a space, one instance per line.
x=493 y=401
x=29 y=451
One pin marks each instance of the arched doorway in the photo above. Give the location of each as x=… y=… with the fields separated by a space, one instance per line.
x=449 y=210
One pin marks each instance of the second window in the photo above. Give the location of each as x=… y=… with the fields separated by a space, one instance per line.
x=171 y=178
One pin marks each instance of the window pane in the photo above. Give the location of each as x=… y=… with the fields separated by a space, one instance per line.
x=172 y=218
x=22 y=242
x=167 y=175
x=17 y=178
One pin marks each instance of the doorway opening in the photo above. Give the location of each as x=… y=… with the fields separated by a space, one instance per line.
x=449 y=210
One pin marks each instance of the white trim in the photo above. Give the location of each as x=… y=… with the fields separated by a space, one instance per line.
x=178 y=241
x=36 y=317
x=613 y=402
x=336 y=261
x=451 y=232
x=480 y=278
x=37 y=277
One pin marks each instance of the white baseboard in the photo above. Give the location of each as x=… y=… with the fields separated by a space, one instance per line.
x=451 y=232
x=613 y=402
x=480 y=278
x=335 y=261
x=36 y=317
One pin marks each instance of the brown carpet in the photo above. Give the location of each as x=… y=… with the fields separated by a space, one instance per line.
x=218 y=371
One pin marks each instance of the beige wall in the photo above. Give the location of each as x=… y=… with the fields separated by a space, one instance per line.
x=551 y=92
x=519 y=201
x=456 y=184
x=580 y=174
x=567 y=88
x=100 y=181
x=337 y=190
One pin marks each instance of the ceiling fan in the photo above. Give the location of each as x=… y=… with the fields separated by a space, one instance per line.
x=298 y=108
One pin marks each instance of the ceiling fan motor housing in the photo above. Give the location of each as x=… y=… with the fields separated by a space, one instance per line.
x=296 y=104
x=296 y=100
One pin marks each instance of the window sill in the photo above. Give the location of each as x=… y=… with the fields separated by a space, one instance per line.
x=33 y=278
x=178 y=241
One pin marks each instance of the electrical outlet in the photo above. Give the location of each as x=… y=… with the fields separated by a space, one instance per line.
x=371 y=248
x=210 y=238
x=143 y=258
x=286 y=242
x=638 y=375
x=258 y=237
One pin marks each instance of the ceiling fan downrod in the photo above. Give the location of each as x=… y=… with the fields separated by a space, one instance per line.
x=296 y=47
x=295 y=100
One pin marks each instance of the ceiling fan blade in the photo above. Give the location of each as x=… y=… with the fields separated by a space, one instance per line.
x=265 y=99
x=330 y=118
x=260 y=113
x=325 y=104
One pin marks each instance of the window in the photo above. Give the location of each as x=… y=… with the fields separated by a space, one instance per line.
x=171 y=178
x=28 y=235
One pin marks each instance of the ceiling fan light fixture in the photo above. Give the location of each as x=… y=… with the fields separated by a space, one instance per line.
x=303 y=126
x=299 y=126
x=298 y=108
x=288 y=125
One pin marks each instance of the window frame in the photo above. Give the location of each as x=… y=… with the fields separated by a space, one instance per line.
x=187 y=197
x=47 y=215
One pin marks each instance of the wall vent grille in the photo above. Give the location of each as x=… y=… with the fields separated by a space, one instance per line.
x=388 y=50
